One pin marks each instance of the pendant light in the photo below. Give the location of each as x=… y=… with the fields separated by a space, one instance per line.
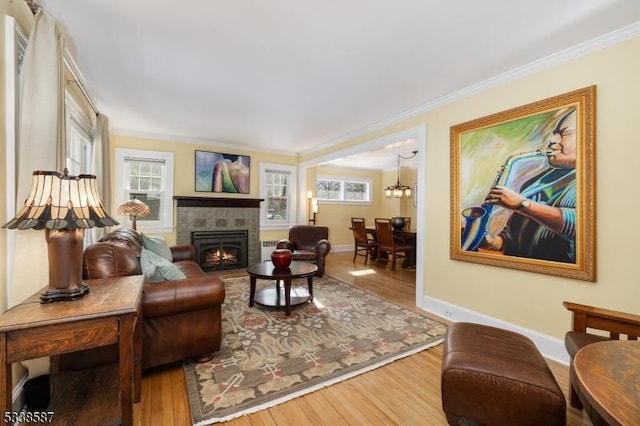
x=399 y=190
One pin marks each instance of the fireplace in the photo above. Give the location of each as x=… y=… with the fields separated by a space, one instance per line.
x=217 y=250
x=200 y=214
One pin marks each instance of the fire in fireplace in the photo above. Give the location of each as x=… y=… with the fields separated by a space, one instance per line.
x=217 y=250
x=221 y=256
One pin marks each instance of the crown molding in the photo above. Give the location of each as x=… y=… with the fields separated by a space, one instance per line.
x=598 y=43
x=198 y=141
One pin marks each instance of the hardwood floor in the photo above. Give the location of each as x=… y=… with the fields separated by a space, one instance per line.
x=405 y=392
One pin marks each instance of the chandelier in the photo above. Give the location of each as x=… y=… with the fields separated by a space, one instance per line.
x=399 y=190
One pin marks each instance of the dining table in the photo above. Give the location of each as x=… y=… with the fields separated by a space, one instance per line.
x=408 y=236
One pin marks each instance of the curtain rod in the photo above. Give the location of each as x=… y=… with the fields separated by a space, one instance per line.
x=69 y=63
x=77 y=78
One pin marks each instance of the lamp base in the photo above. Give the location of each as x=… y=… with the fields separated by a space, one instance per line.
x=57 y=294
x=65 y=248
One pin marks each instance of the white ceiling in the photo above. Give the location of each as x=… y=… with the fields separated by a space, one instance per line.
x=292 y=75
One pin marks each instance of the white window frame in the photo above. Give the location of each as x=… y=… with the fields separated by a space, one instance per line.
x=343 y=180
x=165 y=224
x=77 y=124
x=15 y=46
x=291 y=194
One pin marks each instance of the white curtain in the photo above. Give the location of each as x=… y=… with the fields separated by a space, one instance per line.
x=41 y=145
x=101 y=168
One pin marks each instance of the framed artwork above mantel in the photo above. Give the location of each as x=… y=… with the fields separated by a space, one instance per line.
x=222 y=173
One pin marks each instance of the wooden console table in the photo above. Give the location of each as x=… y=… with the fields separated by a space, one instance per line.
x=108 y=314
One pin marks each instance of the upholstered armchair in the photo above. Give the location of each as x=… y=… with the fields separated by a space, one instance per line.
x=590 y=325
x=308 y=243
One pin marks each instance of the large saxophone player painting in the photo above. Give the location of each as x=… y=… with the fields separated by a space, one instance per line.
x=522 y=185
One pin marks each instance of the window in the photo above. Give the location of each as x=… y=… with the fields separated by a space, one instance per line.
x=79 y=143
x=14 y=49
x=278 y=190
x=148 y=177
x=347 y=190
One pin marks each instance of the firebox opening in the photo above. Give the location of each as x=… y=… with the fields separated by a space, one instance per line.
x=217 y=250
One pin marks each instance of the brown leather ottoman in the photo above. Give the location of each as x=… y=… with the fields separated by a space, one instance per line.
x=492 y=376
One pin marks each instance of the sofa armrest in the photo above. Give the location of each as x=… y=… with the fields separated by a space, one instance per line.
x=323 y=247
x=107 y=260
x=614 y=322
x=185 y=252
x=174 y=297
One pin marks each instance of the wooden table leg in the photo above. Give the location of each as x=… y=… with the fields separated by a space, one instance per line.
x=278 y=300
x=252 y=293
x=126 y=370
x=5 y=380
x=137 y=358
x=287 y=296
x=310 y=284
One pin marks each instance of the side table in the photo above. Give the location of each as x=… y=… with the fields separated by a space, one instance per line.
x=109 y=314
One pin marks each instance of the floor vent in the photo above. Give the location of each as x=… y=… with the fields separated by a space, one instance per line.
x=267 y=248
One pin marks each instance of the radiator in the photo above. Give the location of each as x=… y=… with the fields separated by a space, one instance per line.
x=267 y=247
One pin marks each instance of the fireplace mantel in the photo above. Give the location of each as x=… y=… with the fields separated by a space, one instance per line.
x=217 y=202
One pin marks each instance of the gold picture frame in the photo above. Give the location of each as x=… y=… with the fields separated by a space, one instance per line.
x=523 y=187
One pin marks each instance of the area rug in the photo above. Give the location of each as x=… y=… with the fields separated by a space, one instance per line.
x=268 y=358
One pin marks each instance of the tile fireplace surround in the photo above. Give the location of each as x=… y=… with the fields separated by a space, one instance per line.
x=219 y=214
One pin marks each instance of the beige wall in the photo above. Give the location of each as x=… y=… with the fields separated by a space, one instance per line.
x=336 y=217
x=532 y=300
x=184 y=168
x=526 y=299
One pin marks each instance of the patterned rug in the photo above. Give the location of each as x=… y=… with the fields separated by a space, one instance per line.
x=268 y=358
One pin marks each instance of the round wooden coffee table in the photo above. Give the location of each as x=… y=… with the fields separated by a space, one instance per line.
x=280 y=296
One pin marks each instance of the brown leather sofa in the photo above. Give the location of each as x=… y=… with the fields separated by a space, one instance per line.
x=308 y=243
x=181 y=319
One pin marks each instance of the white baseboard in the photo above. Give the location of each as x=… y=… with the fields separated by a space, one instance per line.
x=342 y=248
x=550 y=347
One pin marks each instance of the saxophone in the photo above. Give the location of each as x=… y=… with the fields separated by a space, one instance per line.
x=477 y=217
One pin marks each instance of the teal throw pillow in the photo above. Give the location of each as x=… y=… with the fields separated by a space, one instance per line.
x=157 y=245
x=156 y=268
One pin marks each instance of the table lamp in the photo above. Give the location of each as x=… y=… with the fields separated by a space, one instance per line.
x=64 y=206
x=134 y=208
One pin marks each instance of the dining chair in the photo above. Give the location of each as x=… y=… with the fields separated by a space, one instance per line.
x=388 y=244
x=361 y=240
